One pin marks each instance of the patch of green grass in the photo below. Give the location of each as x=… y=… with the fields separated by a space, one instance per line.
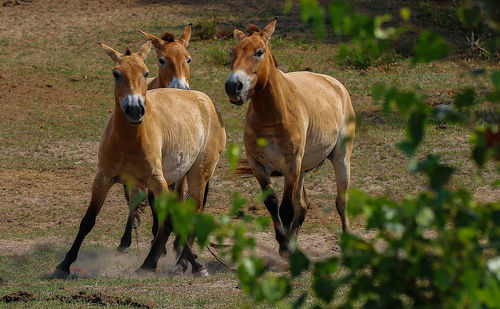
x=219 y=53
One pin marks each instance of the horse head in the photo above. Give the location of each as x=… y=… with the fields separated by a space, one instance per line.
x=251 y=62
x=173 y=58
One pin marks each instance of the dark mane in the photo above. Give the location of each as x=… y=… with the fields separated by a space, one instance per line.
x=167 y=37
x=251 y=28
x=128 y=52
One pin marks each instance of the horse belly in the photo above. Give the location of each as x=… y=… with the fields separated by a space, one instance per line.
x=316 y=153
x=176 y=164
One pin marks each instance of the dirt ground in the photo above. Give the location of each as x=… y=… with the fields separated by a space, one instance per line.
x=41 y=206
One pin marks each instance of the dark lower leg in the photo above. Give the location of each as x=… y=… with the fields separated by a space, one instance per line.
x=154 y=229
x=182 y=260
x=158 y=245
x=188 y=254
x=286 y=213
x=86 y=226
x=271 y=203
x=126 y=239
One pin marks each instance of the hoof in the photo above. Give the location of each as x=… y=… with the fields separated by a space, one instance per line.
x=122 y=249
x=58 y=274
x=284 y=253
x=201 y=273
x=146 y=270
x=177 y=270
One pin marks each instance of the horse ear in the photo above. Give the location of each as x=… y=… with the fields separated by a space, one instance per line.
x=268 y=31
x=157 y=42
x=113 y=54
x=145 y=49
x=186 y=36
x=239 y=35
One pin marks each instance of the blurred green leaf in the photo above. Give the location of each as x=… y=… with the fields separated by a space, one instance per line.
x=430 y=46
x=469 y=16
x=237 y=203
x=298 y=262
x=275 y=289
x=233 y=154
x=479 y=148
x=405 y=13
x=465 y=98
x=262 y=142
x=205 y=225
x=324 y=288
x=311 y=11
x=138 y=198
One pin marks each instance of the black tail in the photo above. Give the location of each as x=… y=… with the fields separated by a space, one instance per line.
x=207 y=187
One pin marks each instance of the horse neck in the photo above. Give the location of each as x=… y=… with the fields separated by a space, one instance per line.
x=268 y=103
x=162 y=79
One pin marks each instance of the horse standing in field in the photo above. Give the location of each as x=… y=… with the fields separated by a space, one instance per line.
x=173 y=72
x=153 y=138
x=303 y=117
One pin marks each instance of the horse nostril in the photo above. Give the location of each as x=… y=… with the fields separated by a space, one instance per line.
x=240 y=86
x=142 y=110
x=127 y=110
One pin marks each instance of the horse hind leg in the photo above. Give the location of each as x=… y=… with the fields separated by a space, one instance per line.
x=341 y=158
x=300 y=204
x=197 y=180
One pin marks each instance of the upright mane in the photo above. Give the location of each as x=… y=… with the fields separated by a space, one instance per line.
x=167 y=37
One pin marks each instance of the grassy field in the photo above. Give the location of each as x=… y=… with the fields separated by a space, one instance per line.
x=56 y=96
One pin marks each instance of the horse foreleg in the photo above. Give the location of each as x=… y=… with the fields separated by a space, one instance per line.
x=126 y=239
x=272 y=204
x=158 y=186
x=100 y=189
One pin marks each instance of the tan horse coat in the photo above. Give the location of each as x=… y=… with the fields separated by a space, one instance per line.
x=303 y=117
x=152 y=138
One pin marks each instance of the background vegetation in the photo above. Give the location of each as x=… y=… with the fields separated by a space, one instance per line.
x=423 y=238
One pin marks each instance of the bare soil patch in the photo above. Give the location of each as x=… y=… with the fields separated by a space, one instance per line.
x=19 y=296
x=98 y=299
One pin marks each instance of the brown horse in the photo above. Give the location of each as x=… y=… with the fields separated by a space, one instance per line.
x=303 y=117
x=153 y=138
x=173 y=72
x=173 y=60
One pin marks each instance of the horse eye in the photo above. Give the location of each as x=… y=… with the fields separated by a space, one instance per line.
x=146 y=74
x=259 y=53
x=189 y=60
x=116 y=74
x=162 y=61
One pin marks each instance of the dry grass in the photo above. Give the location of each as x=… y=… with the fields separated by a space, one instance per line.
x=56 y=95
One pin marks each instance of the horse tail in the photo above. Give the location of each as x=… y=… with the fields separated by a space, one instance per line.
x=244 y=170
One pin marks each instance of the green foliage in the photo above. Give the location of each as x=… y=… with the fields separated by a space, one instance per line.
x=370 y=38
x=312 y=12
x=219 y=54
x=431 y=46
x=439 y=248
x=205 y=29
